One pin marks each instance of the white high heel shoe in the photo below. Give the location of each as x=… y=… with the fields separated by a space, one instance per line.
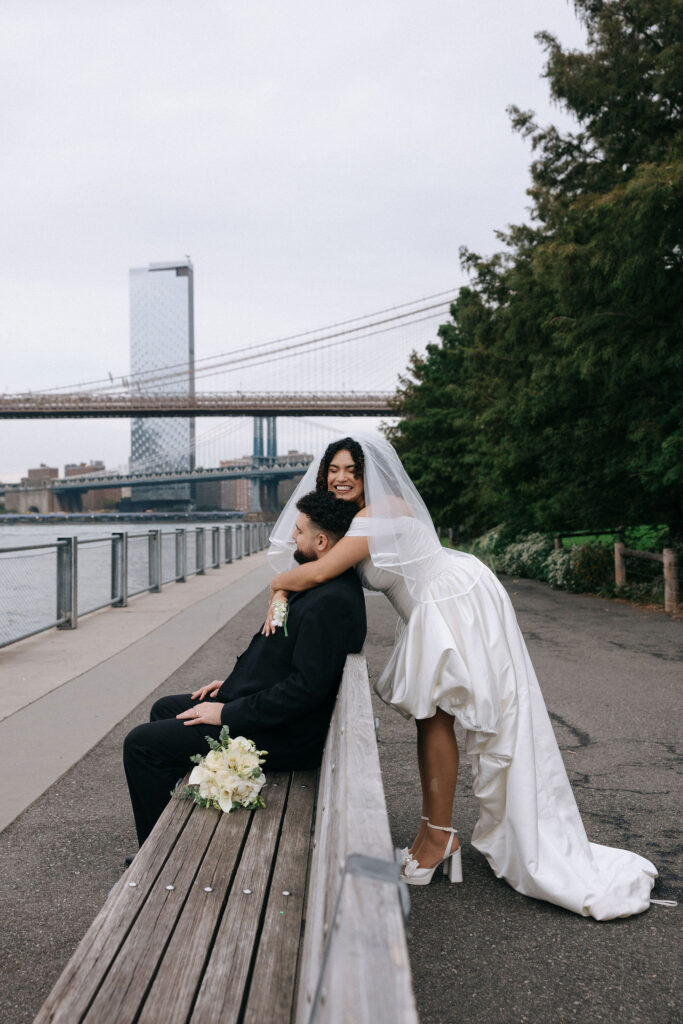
x=404 y=855
x=413 y=874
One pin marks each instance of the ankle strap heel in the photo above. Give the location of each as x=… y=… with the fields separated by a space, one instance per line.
x=413 y=874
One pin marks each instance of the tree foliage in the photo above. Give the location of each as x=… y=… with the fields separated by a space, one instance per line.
x=554 y=397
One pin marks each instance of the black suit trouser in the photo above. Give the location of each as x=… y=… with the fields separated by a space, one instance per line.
x=157 y=754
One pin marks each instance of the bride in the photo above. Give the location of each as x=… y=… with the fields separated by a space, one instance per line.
x=460 y=655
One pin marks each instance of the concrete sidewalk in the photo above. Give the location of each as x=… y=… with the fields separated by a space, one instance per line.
x=62 y=691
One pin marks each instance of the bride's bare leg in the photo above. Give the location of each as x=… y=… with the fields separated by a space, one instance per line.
x=423 y=782
x=438 y=759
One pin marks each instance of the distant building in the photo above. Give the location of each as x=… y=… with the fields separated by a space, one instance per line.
x=42 y=473
x=238 y=494
x=161 y=336
x=94 y=500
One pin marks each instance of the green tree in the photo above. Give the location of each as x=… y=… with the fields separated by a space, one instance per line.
x=555 y=396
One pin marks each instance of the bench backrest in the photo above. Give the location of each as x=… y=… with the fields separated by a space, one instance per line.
x=354 y=964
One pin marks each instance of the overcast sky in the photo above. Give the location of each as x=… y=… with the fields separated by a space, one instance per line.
x=316 y=160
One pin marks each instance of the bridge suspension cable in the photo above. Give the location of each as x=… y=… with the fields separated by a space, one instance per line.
x=256 y=355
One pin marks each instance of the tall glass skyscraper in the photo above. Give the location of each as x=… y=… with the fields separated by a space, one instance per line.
x=162 y=336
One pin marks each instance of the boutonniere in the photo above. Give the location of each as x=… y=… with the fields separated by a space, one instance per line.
x=279 y=614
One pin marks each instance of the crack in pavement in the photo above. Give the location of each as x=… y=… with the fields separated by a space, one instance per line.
x=582 y=738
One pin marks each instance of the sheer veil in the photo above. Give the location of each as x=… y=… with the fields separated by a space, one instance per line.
x=400 y=532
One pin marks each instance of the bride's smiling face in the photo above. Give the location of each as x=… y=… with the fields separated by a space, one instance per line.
x=342 y=480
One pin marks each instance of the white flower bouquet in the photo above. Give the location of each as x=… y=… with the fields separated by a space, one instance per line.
x=229 y=776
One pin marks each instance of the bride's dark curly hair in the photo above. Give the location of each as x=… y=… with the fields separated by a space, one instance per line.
x=347 y=444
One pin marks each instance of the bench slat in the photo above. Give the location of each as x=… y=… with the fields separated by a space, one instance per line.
x=271 y=993
x=179 y=976
x=227 y=971
x=124 y=987
x=82 y=976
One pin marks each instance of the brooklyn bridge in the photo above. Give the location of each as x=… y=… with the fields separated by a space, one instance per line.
x=326 y=380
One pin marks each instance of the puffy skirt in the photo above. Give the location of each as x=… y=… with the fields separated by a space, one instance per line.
x=466 y=655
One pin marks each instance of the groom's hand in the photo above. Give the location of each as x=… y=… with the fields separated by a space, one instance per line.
x=210 y=690
x=208 y=713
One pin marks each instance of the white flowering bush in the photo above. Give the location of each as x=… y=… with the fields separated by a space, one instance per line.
x=490 y=546
x=581 y=568
x=229 y=776
x=527 y=557
x=559 y=569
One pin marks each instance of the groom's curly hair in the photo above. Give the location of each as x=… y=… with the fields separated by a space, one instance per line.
x=331 y=515
x=347 y=444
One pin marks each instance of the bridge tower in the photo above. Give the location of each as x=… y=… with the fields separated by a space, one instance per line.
x=265 y=434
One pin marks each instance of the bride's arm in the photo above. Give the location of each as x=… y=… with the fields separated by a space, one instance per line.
x=346 y=552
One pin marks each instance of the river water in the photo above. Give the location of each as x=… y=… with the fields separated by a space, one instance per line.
x=28 y=579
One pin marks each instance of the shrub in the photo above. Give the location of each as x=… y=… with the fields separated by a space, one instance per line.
x=594 y=566
x=559 y=569
x=527 y=557
x=581 y=568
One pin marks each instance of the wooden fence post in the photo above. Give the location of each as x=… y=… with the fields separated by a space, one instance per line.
x=619 y=564
x=670 y=580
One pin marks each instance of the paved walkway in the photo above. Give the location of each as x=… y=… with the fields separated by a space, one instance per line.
x=67 y=688
x=480 y=952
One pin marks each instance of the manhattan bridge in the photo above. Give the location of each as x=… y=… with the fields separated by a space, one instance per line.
x=277 y=400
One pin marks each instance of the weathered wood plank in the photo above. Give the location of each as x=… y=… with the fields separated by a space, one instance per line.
x=227 y=971
x=271 y=990
x=368 y=973
x=178 y=978
x=122 y=991
x=324 y=844
x=83 y=975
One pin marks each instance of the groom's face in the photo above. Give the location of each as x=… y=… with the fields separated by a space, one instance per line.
x=308 y=539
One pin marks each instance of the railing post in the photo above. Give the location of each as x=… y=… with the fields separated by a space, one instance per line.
x=670 y=580
x=119 y=570
x=246 y=537
x=154 y=560
x=180 y=555
x=215 y=547
x=239 y=540
x=228 y=543
x=619 y=564
x=67 y=582
x=200 y=550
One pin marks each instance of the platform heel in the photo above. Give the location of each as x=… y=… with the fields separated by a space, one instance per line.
x=413 y=874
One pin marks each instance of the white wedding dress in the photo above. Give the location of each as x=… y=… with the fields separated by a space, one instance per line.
x=459 y=648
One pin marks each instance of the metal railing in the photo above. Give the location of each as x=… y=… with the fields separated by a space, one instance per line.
x=53 y=584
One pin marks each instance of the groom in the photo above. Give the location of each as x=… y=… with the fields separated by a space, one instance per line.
x=282 y=690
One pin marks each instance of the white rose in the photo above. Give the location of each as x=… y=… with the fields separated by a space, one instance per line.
x=214 y=760
x=246 y=791
x=243 y=745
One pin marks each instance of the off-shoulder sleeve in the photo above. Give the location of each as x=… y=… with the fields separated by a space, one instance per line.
x=378 y=526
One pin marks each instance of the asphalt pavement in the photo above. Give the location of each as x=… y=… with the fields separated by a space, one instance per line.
x=480 y=952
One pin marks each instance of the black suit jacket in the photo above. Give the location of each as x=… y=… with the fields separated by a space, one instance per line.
x=282 y=690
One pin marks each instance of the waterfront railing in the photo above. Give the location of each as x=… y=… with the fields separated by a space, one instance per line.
x=43 y=586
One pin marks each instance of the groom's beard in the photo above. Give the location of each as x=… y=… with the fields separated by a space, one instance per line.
x=302 y=558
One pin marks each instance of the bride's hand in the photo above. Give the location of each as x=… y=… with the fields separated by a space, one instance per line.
x=275 y=596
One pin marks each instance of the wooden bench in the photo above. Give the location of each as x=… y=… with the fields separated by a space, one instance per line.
x=206 y=924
